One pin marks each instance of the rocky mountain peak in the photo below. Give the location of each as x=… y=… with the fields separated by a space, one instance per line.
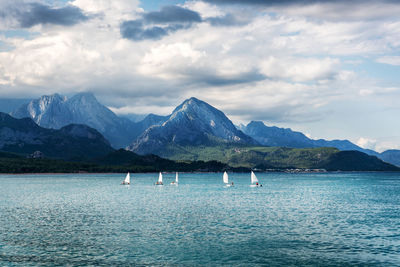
x=56 y=111
x=193 y=122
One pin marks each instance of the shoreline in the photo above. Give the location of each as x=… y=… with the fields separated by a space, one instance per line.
x=194 y=172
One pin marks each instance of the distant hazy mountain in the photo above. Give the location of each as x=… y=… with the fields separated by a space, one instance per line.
x=56 y=111
x=8 y=105
x=274 y=136
x=392 y=156
x=194 y=122
x=133 y=117
x=150 y=120
x=24 y=136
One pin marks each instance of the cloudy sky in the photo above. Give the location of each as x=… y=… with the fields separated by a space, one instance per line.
x=330 y=69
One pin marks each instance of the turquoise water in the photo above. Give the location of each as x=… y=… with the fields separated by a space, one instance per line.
x=336 y=219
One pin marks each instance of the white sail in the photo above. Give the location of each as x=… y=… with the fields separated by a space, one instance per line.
x=127 y=179
x=176 y=177
x=225 y=178
x=160 y=178
x=253 y=178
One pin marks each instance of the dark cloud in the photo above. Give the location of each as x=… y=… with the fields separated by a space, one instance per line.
x=158 y=24
x=173 y=14
x=137 y=31
x=331 y=10
x=298 y=113
x=227 y=20
x=263 y=2
x=290 y=2
x=155 y=25
x=43 y=14
x=211 y=77
x=134 y=30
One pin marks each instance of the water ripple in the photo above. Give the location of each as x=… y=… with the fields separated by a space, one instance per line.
x=294 y=219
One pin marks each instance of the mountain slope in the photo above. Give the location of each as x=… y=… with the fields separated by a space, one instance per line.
x=274 y=136
x=392 y=156
x=264 y=158
x=194 y=122
x=356 y=161
x=148 y=121
x=56 y=111
x=73 y=141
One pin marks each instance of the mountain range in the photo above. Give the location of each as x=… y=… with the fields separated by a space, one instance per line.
x=26 y=147
x=77 y=148
x=274 y=136
x=192 y=126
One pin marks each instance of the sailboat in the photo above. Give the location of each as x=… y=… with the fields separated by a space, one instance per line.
x=127 y=180
x=226 y=180
x=254 y=180
x=159 y=182
x=176 y=180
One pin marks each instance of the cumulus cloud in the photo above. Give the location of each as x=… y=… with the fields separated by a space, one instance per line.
x=228 y=20
x=206 y=10
x=367 y=143
x=172 y=14
x=195 y=66
x=119 y=9
x=337 y=10
x=300 y=69
x=157 y=24
x=276 y=65
x=27 y=15
x=134 y=30
x=391 y=60
x=42 y=14
x=380 y=144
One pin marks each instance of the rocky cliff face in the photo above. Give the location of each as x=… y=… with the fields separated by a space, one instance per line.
x=47 y=111
x=57 y=111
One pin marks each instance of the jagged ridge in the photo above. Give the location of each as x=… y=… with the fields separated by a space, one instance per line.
x=194 y=122
x=56 y=111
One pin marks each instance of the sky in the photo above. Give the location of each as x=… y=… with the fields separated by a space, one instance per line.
x=330 y=69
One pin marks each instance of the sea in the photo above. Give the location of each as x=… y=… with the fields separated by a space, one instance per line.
x=319 y=219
